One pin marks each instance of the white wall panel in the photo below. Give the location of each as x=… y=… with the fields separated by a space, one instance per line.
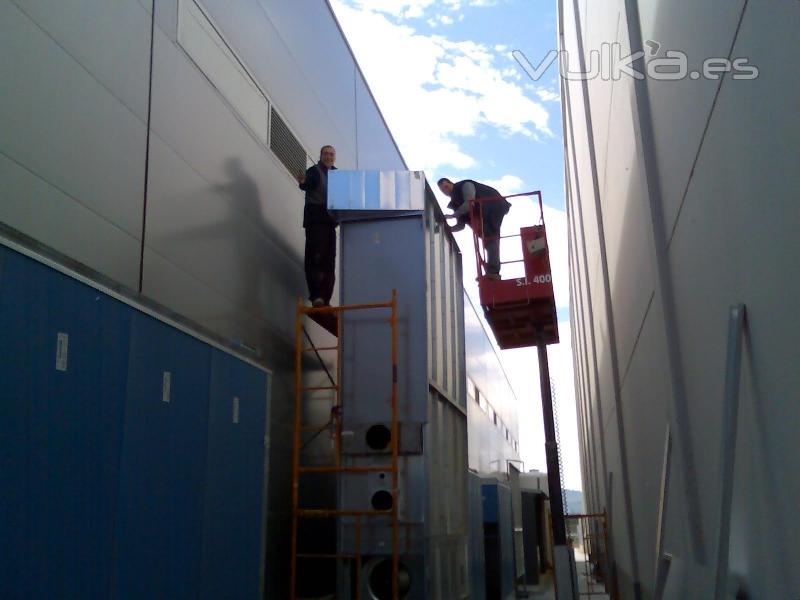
x=120 y=27
x=734 y=241
x=296 y=53
x=645 y=406
x=33 y=206
x=212 y=55
x=309 y=32
x=62 y=126
x=756 y=203
x=626 y=219
x=206 y=230
x=195 y=121
x=681 y=108
x=604 y=30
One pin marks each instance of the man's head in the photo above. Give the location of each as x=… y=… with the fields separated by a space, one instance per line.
x=327 y=155
x=445 y=185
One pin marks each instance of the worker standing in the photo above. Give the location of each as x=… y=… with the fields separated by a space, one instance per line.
x=320 y=226
x=493 y=208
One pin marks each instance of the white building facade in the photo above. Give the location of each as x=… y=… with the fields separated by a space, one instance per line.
x=682 y=197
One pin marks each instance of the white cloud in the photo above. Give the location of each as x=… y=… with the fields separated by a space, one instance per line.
x=507 y=184
x=405 y=9
x=433 y=90
x=446 y=20
x=414 y=9
x=548 y=95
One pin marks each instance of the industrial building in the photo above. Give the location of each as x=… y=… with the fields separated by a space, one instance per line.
x=178 y=422
x=682 y=196
x=151 y=266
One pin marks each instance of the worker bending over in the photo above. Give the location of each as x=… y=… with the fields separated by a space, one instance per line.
x=493 y=208
x=320 y=226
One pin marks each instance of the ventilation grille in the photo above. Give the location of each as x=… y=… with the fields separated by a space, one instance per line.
x=285 y=146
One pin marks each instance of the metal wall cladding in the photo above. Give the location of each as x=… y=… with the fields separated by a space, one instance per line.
x=489 y=449
x=375 y=191
x=446 y=308
x=74 y=134
x=413 y=255
x=122 y=435
x=477 y=562
x=498 y=539
x=656 y=265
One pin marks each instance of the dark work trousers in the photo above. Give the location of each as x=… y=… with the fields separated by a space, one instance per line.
x=492 y=220
x=320 y=261
x=492 y=255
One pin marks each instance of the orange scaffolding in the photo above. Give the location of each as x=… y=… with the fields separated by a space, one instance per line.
x=329 y=317
x=596 y=575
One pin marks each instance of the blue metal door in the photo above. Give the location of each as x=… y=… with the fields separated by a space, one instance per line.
x=162 y=487
x=234 y=494
x=62 y=382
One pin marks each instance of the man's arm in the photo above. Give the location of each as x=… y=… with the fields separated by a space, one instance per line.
x=460 y=224
x=310 y=180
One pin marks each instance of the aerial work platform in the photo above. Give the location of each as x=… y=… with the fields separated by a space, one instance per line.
x=520 y=311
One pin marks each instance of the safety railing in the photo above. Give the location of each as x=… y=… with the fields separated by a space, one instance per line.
x=479 y=239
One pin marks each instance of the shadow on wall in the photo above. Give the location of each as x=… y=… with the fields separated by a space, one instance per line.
x=267 y=283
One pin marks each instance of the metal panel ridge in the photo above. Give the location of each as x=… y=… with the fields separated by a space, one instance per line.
x=376 y=190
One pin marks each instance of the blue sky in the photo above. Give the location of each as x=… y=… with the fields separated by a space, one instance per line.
x=460 y=106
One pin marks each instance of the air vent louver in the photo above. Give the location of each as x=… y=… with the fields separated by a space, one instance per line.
x=285 y=146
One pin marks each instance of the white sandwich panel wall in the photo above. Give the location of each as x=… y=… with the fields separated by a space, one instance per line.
x=73 y=138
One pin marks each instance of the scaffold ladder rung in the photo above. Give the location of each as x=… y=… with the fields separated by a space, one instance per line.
x=329 y=317
x=334 y=469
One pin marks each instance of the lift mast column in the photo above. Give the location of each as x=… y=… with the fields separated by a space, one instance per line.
x=522 y=313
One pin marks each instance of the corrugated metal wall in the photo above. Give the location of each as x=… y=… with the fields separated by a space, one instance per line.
x=682 y=202
x=414 y=254
x=134 y=455
x=491 y=401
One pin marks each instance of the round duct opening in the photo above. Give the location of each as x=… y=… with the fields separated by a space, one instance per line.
x=382 y=500
x=379 y=579
x=378 y=437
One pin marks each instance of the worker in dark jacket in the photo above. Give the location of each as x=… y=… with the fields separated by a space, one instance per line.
x=320 y=259
x=494 y=208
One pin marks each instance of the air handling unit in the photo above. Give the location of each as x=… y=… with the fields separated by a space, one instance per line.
x=401 y=431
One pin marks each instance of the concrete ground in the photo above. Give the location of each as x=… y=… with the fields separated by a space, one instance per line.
x=588 y=588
